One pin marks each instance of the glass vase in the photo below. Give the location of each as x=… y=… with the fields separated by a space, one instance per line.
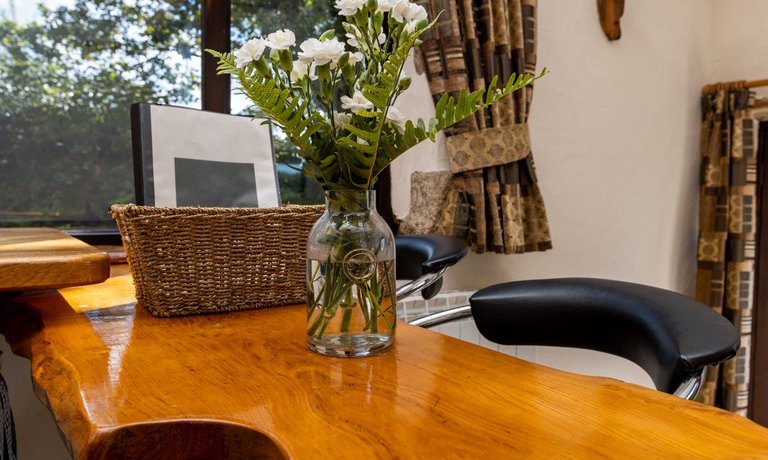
x=351 y=305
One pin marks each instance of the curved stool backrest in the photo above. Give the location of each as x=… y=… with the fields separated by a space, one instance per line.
x=672 y=337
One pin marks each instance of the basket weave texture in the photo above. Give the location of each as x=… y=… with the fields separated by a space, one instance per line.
x=188 y=261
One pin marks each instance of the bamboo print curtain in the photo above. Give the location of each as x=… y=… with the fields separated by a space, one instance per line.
x=494 y=201
x=727 y=217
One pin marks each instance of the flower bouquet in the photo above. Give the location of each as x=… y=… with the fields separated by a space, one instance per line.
x=336 y=102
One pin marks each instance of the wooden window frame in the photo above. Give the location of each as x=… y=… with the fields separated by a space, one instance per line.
x=215 y=34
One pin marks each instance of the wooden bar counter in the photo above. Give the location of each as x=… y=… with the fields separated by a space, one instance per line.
x=43 y=258
x=122 y=384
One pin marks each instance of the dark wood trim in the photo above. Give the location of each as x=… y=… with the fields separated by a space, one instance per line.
x=610 y=12
x=97 y=237
x=141 y=133
x=758 y=401
x=384 y=199
x=216 y=21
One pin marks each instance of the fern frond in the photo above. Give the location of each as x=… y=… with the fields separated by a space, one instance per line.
x=347 y=142
x=449 y=111
x=286 y=111
x=381 y=92
x=368 y=114
x=368 y=136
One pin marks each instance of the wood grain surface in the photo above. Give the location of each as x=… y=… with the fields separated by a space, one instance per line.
x=44 y=258
x=123 y=384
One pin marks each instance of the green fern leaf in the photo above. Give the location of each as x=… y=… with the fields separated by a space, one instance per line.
x=368 y=114
x=367 y=136
x=349 y=143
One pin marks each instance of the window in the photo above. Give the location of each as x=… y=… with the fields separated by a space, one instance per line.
x=69 y=70
x=306 y=18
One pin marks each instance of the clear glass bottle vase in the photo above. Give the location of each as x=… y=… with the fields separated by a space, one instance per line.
x=351 y=305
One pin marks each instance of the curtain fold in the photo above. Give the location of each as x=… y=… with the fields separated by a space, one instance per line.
x=494 y=201
x=725 y=278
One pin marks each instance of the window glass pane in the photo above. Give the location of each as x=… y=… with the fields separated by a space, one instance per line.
x=306 y=18
x=69 y=71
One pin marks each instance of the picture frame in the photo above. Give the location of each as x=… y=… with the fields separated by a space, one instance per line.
x=188 y=157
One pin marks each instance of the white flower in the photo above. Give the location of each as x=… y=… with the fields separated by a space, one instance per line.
x=303 y=69
x=341 y=118
x=352 y=41
x=354 y=58
x=309 y=49
x=362 y=141
x=382 y=38
x=400 y=10
x=386 y=5
x=416 y=13
x=349 y=7
x=321 y=52
x=281 y=39
x=404 y=10
x=251 y=51
x=356 y=103
x=410 y=26
x=395 y=117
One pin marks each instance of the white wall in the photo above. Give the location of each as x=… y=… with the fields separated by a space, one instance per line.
x=615 y=133
x=741 y=44
x=615 y=129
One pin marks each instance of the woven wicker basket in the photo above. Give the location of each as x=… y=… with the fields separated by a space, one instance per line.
x=187 y=261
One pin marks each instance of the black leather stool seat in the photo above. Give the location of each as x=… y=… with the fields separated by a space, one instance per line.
x=420 y=255
x=670 y=336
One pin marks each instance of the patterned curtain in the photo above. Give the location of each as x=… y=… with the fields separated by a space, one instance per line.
x=727 y=216
x=493 y=201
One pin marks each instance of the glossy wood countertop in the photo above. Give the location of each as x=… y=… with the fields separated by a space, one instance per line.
x=123 y=384
x=44 y=258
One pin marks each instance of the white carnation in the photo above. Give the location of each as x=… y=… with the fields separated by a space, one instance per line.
x=386 y=5
x=356 y=103
x=341 y=118
x=400 y=10
x=352 y=41
x=354 y=58
x=321 y=52
x=251 y=51
x=395 y=117
x=404 y=10
x=416 y=13
x=281 y=39
x=349 y=7
x=303 y=69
